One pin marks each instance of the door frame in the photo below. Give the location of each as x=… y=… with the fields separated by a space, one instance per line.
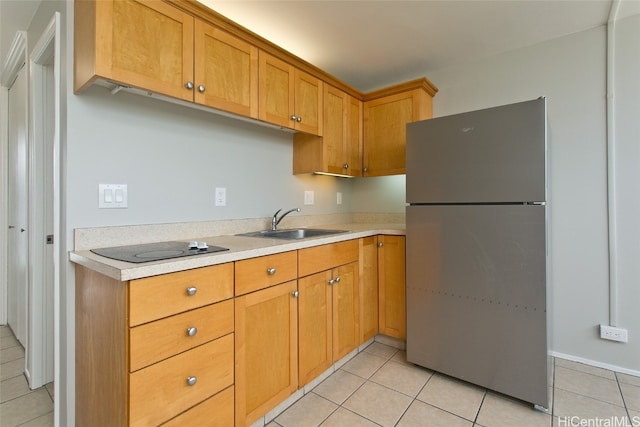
x=44 y=202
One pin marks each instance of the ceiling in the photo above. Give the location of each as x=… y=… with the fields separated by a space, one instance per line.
x=371 y=44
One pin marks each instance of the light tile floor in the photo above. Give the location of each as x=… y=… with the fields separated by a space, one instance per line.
x=20 y=406
x=378 y=387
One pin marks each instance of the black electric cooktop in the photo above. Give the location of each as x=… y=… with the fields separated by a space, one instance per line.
x=154 y=251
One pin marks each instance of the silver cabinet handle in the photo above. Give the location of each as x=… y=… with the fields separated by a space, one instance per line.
x=365 y=169
x=191 y=290
x=298 y=119
x=331 y=281
x=379 y=244
x=271 y=271
x=337 y=279
x=295 y=294
x=191 y=381
x=294 y=118
x=345 y=166
x=192 y=331
x=189 y=85
x=201 y=88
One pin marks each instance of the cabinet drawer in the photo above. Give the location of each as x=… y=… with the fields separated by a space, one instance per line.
x=319 y=258
x=258 y=273
x=156 y=297
x=216 y=411
x=156 y=341
x=160 y=392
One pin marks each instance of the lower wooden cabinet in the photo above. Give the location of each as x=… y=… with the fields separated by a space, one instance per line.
x=391 y=286
x=328 y=319
x=368 y=281
x=153 y=349
x=266 y=350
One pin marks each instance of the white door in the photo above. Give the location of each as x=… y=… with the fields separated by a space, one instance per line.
x=17 y=240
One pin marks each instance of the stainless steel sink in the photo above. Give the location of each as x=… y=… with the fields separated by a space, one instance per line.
x=292 y=234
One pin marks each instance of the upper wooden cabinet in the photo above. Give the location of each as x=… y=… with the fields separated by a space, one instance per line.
x=386 y=114
x=172 y=54
x=339 y=150
x=226 y=71
x=288 y=96
x=111 y=43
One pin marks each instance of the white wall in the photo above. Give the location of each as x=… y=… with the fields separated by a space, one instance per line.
x=570 y=72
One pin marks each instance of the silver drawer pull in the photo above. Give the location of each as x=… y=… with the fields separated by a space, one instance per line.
x=191 y=290
x=295 y=294
x=331 y=281
x=271 y=271
x=191 y=381
x=338 y=279
x=192 y=331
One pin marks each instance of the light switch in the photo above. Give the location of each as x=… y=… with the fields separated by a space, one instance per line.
x=308 y=197
x=112 y=196
x=221 y=196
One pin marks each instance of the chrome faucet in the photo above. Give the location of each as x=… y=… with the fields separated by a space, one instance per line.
x=275 y=220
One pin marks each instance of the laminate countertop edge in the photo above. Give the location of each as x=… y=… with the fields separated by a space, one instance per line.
x=240 y=248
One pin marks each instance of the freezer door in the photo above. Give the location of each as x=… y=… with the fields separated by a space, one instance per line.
x=476 y=295
x=492 y=155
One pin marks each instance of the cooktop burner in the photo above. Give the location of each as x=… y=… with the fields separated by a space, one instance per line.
x=155 y=251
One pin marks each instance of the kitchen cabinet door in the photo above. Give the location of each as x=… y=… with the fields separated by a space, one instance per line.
x=391 y=286
x=346 y=310
x=339 y=149
x=385 y=120
x=328 y=319
x=289 y=97
x=368 y=281
x=266 y=350
x=111 y=43
x=226 y=71
x=315 y=326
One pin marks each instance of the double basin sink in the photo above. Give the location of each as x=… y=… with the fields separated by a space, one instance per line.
x=293 y=234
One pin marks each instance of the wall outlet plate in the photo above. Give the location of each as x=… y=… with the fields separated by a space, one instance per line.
x=221 y=196
x=614 y=334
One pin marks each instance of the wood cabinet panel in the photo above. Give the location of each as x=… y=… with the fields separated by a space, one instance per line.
x=289 y=97
x=346 y=311
x=266 y=350
x=258 y=273
x=315 y=337
x=324 y=257
x=392 y=286
x=216 y=411
x=114 y=45
x=161 y=391
x=368 y=281
x=339 y=149
x=156 y=341
x=227 y=68
x=156 y=297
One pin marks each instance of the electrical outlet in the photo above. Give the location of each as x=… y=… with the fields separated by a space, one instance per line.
x=338 y=198
x=614 y=334
x=308 y=197
x=221 y=196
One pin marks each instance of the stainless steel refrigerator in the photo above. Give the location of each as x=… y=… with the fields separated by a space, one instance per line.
x=476 y=248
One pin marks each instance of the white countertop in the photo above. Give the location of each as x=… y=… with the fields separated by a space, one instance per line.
x=240 y=247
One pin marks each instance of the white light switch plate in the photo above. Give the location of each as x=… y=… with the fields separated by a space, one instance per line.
x=221 y=196
x=112 y=196
x=308 y=197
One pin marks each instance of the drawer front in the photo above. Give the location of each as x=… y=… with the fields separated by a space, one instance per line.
x=216 y=411
x=320 y=258
x=156 y=297
x=261 y=272
x=161 y=391
x=159 y=340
